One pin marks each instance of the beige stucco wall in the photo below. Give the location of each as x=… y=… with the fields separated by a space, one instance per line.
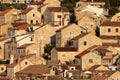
x=37 y=17
x=114 y=76
x=104 y=30
x=62 y=56
x=43 y=36
x=116 y=17
x=2 y=46
x=85 y=60
x=52 y=17
x=3 y=29
x=90 y=39
x=50 y=3
x=9 y=15
x=67 y=34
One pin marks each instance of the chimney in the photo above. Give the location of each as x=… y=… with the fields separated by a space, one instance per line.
x=11 y=58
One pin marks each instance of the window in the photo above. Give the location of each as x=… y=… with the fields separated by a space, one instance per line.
x=26 y=63
x=36 y=21
x=90 y=60
x=33 y=15
x=69 y=43
x=58 y=16
x=31 y=21
x=116 y=29
x=85 y=43
x=109 y=30
x=2 y=68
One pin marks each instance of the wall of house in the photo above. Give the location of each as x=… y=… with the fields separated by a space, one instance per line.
x=86 y=63
x=3 y=29
x=54 y=56
x=2 y=20
x=115 y=76
x=43 y=36
x=33 y=15
x=48 y=3
x=2 y=54
x=24 y=39
x=63 y=57
x=104 y=30
x=31 y=49
x=67 y=34
x=90 y=40
x=9 y=15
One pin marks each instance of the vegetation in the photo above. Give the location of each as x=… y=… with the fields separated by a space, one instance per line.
x=70 y=4
x=47 y=51
x=4 y=62
x=112 y=5
x=17 y=6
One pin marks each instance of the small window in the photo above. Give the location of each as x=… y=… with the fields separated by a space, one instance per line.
x=36 y=21
x=58 y=16
x=85 y=43
x=109 y=30
x=72 y=68
x=33 y=15
x=2 y=68
x=116 y=29
x=31 y=21
x=26 y=63
x=90 y=60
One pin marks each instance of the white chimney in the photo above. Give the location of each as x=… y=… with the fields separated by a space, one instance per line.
x=11 y=58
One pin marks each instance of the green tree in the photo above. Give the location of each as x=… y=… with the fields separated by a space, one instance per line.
x=47 y=51
x=107 y=4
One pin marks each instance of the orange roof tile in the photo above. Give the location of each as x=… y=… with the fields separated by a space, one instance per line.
x=112 y=24
x=109 y=37
x=59 y=30
x=35 y=70
x=86 y=51
x=26 y=11
x=58 y=9
x=5 y=12
x=80 y=36
x=22 y=26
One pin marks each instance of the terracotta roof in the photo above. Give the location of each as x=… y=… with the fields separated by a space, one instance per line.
x=35 y=3
x=21 y=58
x=22 y=26
x=58 y=9
x=95 y=67
x=102 y=50
x=35 y=70
x=55 y=77
x=112 y=24
x=24 y=46
x=66 y=67
x=62 y=49
x=103 y=75
x=93 y=0
x=18 y=24
x=111 y=44
x=26 y=11
x=5 y=12
x=109 y=37
x=80 y=36
x=59 y=30
x=86 y=51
